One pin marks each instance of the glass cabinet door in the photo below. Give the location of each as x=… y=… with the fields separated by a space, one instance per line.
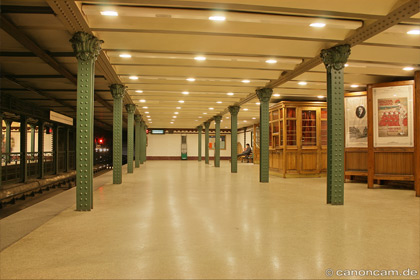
x=309 y=127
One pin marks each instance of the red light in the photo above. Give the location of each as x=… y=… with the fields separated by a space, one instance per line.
x=147 y=131
x=101 y=141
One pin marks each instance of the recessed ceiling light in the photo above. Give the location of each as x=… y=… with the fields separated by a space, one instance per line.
x=230 y=93
x=226 y=127
x=354 y=86
x=204 y=113
x=211 y=108
x=414 y=32
x=150 y=121
x=246 y=81
x=245 y=109
x=254 y=118
x=181 y=101
x=346 y=65
x=217 y=18
x=276 y=95
x=148 y=117
x=271 y=61
x=200 y=58
x=139 y=91
x=185 y=92
x=190 y=79
x=171 y=122
x=302 y=83
x=174 y=117
x=142 y=100
x=200 y=117
x=176 y=113
x=178 y=108
x=109 y=13
x=125 y=55
x=227 y=117
x=258 y=103
x=408 y=68
x=245 y=121
x=145 y=107
x=133 y=78
x=219 y=102
x=317 y=24
x=146 y=112
x=320 y=96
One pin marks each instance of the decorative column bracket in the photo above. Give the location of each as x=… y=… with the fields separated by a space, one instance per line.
x=118 y=92
x=234 y=110
x=206 y=142
x=137 y=119
x=131 y=108
x=86 y=48
x=334 y=59
x=264 y=96
x=217 y=141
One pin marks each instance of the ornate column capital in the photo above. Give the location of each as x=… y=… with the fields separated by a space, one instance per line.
x=335 y=57
x=85 y=45
x=217 y=119
x=131 y=108
x=200 y=127
x=234 y=110
x=117 y=91
x=137 y=118
x=206 y=124
x=264 y=94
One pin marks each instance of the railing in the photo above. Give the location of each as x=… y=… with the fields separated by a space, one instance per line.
x=32 y=165
x=10 y=166
x=49 y=168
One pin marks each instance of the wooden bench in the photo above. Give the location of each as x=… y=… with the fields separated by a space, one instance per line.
x=249 y=158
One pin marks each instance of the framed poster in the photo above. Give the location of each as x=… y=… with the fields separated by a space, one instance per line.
x=212 y=139
x=393 y=116
x=356 y=123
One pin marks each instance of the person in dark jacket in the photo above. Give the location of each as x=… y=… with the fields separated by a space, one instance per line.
x=246 y=152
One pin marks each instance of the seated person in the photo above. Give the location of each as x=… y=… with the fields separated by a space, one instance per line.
x=246 y=152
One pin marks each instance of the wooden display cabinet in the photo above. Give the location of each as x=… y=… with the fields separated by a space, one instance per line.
x=298 y=137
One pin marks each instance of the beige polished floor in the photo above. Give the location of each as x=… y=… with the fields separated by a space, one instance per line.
x=176 y=219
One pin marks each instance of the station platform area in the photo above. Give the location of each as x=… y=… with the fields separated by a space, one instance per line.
x=189 y=220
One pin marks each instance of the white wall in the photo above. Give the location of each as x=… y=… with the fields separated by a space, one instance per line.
x=170 y=145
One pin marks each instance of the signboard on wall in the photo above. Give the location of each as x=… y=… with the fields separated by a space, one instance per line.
x=393 y=116
x=212 y=139
x=356 y=121
x=57 y=117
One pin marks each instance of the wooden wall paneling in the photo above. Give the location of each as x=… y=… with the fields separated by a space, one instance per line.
x=371 y=154
x=394 y=163
x=417 y=132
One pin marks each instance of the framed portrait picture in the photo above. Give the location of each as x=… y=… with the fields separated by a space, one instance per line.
x=212 y=139
x=356 y=122
x=393 y=116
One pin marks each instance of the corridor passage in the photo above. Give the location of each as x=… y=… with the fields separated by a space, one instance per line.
x=185 y=219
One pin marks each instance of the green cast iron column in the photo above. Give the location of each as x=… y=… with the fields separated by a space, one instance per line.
x=206 y=142
x=130 y=136
x=23 y=148
x=142 y=141
x=145 y=143
x=117 y=91
x=200 y=130
x=55 y=148
x=234 y=110
x=217 y=141
x=86 y=48
x=264 y=96
x=334 y=60
x=41 y=169
x=137 y=118
x=8 y=137
x=32 y=141
x=67 y=169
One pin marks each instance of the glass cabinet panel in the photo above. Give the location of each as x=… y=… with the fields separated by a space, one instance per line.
x=291 y=113
x=281 y=133
x=291 y=132
x=308 y=128
x=275 y=115
x=276 y=127
x=324 y=126
x=270 y=137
